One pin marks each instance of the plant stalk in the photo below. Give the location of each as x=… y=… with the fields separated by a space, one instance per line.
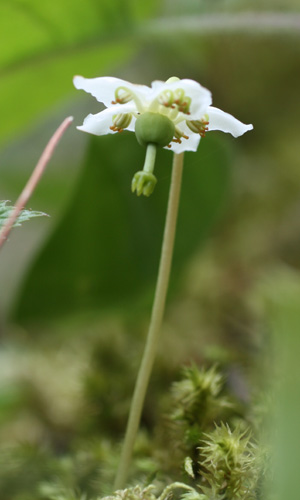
x=155 y=323
x=34 y=179
x=150 y=158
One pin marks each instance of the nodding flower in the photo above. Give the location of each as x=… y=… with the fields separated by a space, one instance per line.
x=174 y=114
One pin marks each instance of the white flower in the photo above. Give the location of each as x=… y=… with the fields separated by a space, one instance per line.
x=174 y=114
x=185 y=103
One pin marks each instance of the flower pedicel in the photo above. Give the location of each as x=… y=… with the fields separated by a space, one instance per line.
x=174 y=114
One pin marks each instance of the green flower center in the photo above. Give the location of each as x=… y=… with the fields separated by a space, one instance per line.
x=154 y=128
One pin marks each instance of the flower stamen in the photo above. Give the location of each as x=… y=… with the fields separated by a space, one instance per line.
x=179 y=135
x=166 y=98
x=176 y=100
x=116 y=129
x=121 y=121
x=199 y=126
x=183 y=102
x=122 y=96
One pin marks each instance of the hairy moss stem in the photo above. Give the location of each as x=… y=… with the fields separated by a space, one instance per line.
x=155 y=323
x=167 y=493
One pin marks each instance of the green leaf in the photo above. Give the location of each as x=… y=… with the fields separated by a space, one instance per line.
x=5 y=211
x=280 y=290
x=44 y=83
x=105 y=251
x=43 y=44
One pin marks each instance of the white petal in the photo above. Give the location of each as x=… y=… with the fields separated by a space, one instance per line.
x=103 y=88
x=200 y=96
x=157 y=85
x=190 y=144
x=99 y=124
x=219 y=120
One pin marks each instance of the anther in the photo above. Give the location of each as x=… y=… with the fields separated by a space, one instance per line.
x=116 y=129
x=121 y=121
x=179 y=135
x=166 y=98
x=199 y=126
x=122 y=96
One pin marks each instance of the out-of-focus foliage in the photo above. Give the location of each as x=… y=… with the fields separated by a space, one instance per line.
x=61 y=453
x=44 y=44
x=178 y=7
x=98 y=256
x=280 y=292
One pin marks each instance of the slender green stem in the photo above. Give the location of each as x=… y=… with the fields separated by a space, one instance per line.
x=150 y=158
x=155 y=323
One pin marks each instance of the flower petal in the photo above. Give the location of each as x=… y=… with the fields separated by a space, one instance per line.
x=103 y=88
x=157 y=85
x=219 y=120
x=190 y=144
x=99 y=124
x=201 y=97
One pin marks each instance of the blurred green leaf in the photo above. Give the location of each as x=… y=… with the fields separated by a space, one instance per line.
x=30 y=28
x=281 y=292
x=43 y=44
x=106 y=248
x=46 y=82
x=11 y=400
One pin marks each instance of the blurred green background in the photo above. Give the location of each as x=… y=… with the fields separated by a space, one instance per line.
x=77 y=287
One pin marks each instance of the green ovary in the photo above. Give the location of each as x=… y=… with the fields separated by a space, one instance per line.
x=153 y=128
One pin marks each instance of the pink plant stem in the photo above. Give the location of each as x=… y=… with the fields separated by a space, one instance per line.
x=34 y=179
